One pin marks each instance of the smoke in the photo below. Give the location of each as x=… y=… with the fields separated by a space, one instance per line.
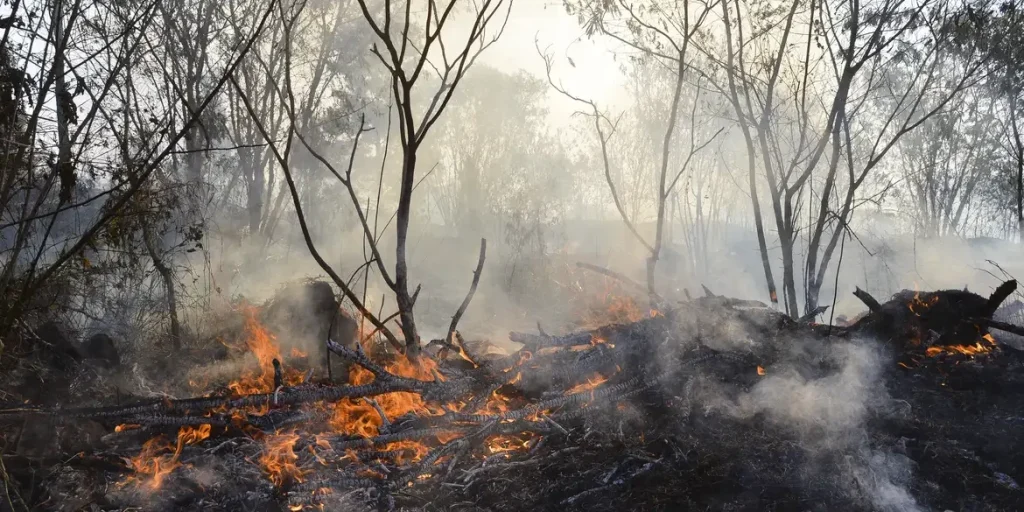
x=828 y=411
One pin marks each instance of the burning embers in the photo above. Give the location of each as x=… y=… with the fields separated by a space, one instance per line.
x=333 y=430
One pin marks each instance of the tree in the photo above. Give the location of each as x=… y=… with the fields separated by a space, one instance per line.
x=405 y=51
x=860 y=43
x=44 y=243
x=664 y=35
x=944 y=162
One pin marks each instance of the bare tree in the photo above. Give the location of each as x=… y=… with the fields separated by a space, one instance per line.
x=859 y=42
x=666 y=38
x=405 y=56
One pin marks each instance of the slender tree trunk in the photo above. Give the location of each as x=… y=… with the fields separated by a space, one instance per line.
x=659 y=230
x=167 y=275
x=402 y=296
x=64 y=101
x=1018 y=149
x=751 y=161
x=786 y=241
x=254 y=196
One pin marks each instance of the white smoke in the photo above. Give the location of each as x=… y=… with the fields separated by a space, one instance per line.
x=829 y=415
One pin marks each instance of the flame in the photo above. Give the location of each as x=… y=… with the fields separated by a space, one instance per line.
x=918 y=306
x=407 y=451
x=361 y=418
x=126 y=426
x=590 y=384
x=509 y=443
x=153 y=464
x=761 y=371
x=496 y=404
x=614 y=308
x=263 y=345
x=190 y=435
x=279 y=458
x=983 y=346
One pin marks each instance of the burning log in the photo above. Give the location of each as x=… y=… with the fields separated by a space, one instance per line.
x=945 y=321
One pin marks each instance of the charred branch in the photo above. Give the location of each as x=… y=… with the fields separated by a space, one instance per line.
x=868 y=300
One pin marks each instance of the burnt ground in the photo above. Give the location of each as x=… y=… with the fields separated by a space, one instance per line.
x=951 y=439
x=715 y=405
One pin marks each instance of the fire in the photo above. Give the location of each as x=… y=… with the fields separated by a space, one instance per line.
x=279 y=458
x=761 y=371
x=918 y=306
x=589 y=385
x=358 y=417
x=614 y=308
x=154 y=463
x=263 y=345
x=407 y=451
x=984 y=346
x=496 y=404
x=126 y=426
x=190 y=435
x=509 y=443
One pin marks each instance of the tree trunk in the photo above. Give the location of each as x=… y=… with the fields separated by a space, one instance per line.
x=1018 y=149
x=788 y=275
x=64 y=101
x=254 y=198
x=402 y=296
x=168 y=277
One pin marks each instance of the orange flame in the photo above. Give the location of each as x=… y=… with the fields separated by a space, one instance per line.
x=263 y=345
x=589 y=385
x=279 y=458
x=509 y=443
x=761 y=371
x=361 y=418
x=918 y=306
x=984 y=346
x=155 y=465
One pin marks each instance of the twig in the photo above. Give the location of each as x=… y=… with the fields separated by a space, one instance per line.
x=469 y=297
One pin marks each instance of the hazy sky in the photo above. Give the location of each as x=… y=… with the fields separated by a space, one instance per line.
x=595 y=76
